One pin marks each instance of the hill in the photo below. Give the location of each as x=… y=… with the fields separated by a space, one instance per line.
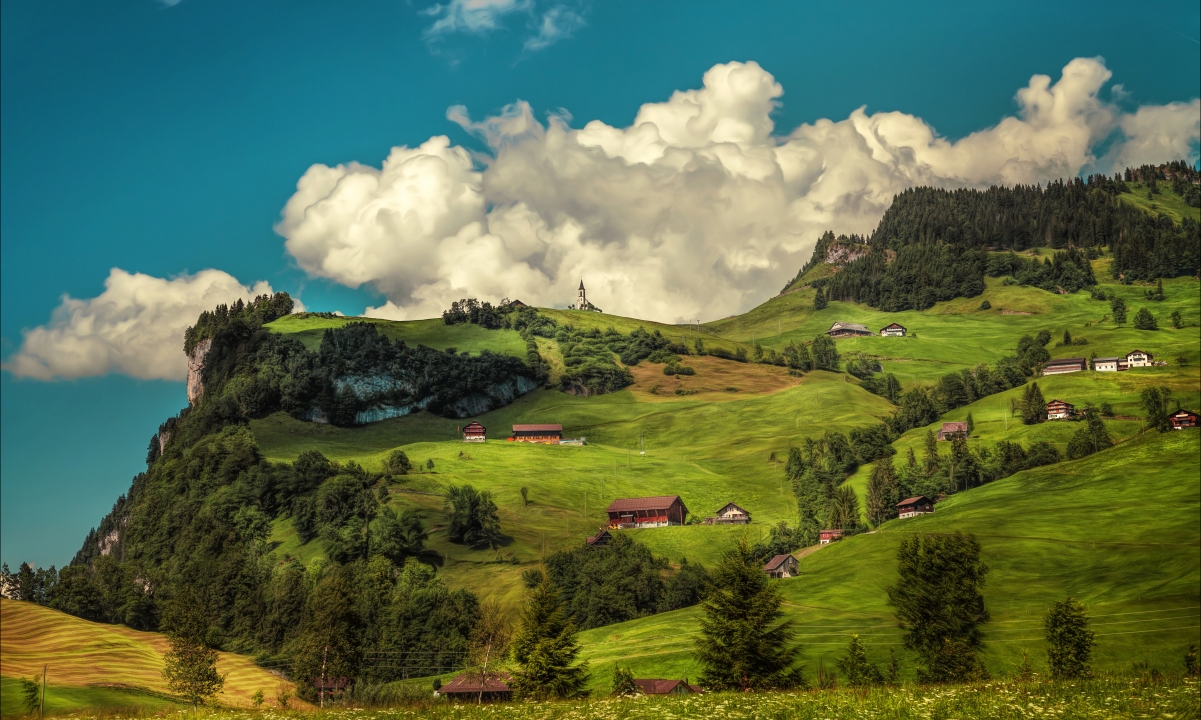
x=96 y=666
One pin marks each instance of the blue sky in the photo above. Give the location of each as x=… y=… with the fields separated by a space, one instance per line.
x=166 y=139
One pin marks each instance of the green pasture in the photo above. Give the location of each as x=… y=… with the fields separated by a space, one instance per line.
x=63 y=700
x=432 y=333
x=1165 y=202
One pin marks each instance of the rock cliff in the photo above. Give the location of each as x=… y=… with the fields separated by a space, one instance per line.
x=196 y=368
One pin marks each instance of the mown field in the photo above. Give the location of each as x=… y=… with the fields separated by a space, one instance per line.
x=102 y=668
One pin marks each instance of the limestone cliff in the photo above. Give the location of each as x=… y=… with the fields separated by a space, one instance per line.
x=196 y=368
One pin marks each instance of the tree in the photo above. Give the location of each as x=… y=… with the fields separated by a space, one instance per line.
x=489 y=644
x=473 y=517
x=971 y=425
x=1191 y=666
x=819 y=300
x=844 y=508
x=1034 y=405
x=1118 y=307
x=398 y=537
x=930 y=460
x=742 y=644
x=1067 y=338
x=939 y=604
x=881 y=493
x=623 y=682
x=1069 y=641
x=1177 y=320
x=190 y=665
x=525 y=496
x=545 y=648
x=399 y=463
x=1144 y=320
x=1155 y=404
x=1092 y=437
x=824 y=353
x=31 y=695
x=986 y=305
x=856 y=668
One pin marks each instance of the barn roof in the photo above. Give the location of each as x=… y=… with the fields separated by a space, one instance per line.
x=1066 y=361
x=776 y=562
x=1139 y=351
x=473 y=423
x=658 y=686
x=603 y=533
x=1108 y=359
x=466 y=683
x=913 y=500
x=893 y=325
x=661 y=502
x=546 y=427
x=723 y=508
x=854 y=327
x=1183 y=412
x=954 y=427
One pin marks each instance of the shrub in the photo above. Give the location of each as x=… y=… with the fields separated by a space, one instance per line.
x=1069 y=641
x=1144 y=320
x=986 y=305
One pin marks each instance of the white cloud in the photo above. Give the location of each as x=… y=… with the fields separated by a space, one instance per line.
x=697 y=209
x=556 y=24
x=135 y=327
x=471 y=16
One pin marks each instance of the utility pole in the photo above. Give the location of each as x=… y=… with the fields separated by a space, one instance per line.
x=42 y=704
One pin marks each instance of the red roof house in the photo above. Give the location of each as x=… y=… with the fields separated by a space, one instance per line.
x=660 y=511
x=666 y=687
x=829 y=536
x=471 y=687
x=952 y=430
x=474 y=432
x=548 y=433
x=1182 y=419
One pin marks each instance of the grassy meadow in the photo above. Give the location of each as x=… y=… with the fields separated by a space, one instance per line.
x=99 y=667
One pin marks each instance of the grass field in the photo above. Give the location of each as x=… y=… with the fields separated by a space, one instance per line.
x=1165 y=203
x=102 y=667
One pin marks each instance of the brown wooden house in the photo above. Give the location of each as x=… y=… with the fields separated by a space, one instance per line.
x=658 y=686
x=628 y=513
x=914 y=506
x=1182 y=419
x=952 y=430
x=781 y=566
x=893 y=330
x=1065 y=365
x=729 y=514
x=843 y=330
x=1060 y=410
x=468 y=687
x=549 y=434
x=474 y=432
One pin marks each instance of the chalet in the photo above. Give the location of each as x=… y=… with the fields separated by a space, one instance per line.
x=474 y=432
x=666 y=687
x=647 y=512
x=952 y=430
x=729 y=514
x=829 y=536
x=472 y=687
x=1138 y=358
x=1060 y=410
x=893 y=330
x=914 y=506
x=1182 y=419
x=781 y=566
x=600 y=539
x=547 y=434
x=841 y=330
x=1065 y=365
x=1109 y=364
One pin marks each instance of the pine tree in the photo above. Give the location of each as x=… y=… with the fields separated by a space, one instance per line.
x=545 y=648
x=971 y=425
x=881 y=493
x=1177 y=320
x=1069 y=641
x=1067 y=338
x=844 y=509
x=1034 y=406
x=742 y=644
x=819 y=300
x=1155 y=404
x=623 y=682
x=930 y=459
x=1092 y=437
x=1118 y=307
x=939 y=604
x=190 y=665
x=856 y=668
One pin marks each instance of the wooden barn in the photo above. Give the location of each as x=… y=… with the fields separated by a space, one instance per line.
x=474 y=432
x=470 y=687
x=600 y=539
x=914 y=506
x=893 y=330
x=1060 y=410
x=1182 y=419
x=1065 y=365
x=646 y=512
x=952 y=430
x=842 y=330
x=658 y=686
x=549 y=434
x=781 y=566
x=829 y=536
x=729 y=514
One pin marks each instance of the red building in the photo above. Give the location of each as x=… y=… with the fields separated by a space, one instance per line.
x=1182 y=419
x=474 y=432
x=666 y=687
x=549 y=434
x=952 y=430
x=829 y=536
x=471 y=687
x=914 y=506
x=1060 y=410
x=628 y=513
x=1065 y=365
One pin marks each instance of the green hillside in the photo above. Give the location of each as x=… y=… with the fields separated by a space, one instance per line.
x=1164 y=202
x=1118 y=530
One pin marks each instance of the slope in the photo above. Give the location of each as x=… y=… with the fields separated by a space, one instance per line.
x=93 y=665
x=1119 y=530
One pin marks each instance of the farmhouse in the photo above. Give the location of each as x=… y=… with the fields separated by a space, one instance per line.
x=647 y=512
x=729 y=514
x=841 y=330
x=469 y=686
x=1065 y=365
x=914 y=506
x=829 y=536
x=952 y=430
x=1182 y=419
x=1060 y=410
x=666 y=687
x=1109 y=364
x=893 y=330
x=600 y=539
x=548 y=433
x=474 y=432
x=781 y=566
x=1138 y=358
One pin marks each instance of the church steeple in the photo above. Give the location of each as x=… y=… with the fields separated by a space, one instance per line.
x=581 y=301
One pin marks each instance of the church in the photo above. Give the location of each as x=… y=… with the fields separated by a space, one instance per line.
x=582 y=303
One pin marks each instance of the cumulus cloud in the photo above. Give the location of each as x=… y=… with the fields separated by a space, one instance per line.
x=135 y=327
x=699 y=208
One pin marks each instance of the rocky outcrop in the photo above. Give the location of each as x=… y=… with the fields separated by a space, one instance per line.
x=367 y=386
x=196 y=368
x=839 y=253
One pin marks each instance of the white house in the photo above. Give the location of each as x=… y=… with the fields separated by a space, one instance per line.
x=1138 y=358
x=893 y=330
x=1109 y=364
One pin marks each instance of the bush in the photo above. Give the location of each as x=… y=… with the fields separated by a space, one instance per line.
x=986 y=305
x=1069 y=641
x=1144 y=320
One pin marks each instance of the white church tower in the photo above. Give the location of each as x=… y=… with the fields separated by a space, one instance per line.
x=581 y=302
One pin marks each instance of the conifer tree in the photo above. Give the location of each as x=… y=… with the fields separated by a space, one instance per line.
x=743 y=645
x=190 y=665
x=1092 y=437
x=856 y=668
x=545 y=649
x=623 y=682
x=1118 y=307
x=881 y=493
x=844 y=509
x=940 y=606
x=930 y=459
x=1155 y=404
x=1177 y=320
x=819 y=300
x=1069 y=641
x=1034 y=406
x=971 y=425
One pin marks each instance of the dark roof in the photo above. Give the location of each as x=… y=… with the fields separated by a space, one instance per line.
x=662 y=502
x=1184 y=412
x=548 y=427
x=776 y=562
x=598 y=536
x=659 y=686
x=914 y=500
x=1109 y=359
x=467 y=683
x=723 y=507
x=954 y=427
x=518 y=303
x=1139 y=351
x=1066 y=361
x=893 y=325
x=832 y=530
x=853 y=327
x=1057 y=400
x=581 y=283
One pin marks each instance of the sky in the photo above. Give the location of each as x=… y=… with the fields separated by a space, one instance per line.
x=384 y=158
